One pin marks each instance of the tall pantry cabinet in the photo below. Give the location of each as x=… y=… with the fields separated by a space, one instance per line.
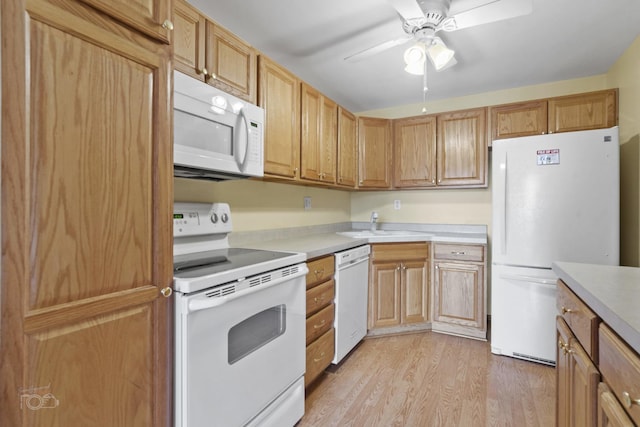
x=87 y=193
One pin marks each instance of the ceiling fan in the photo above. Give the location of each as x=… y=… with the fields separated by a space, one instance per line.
x=422 y=19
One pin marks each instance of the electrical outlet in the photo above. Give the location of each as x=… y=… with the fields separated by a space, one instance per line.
x=307 y=203
x=396 y=204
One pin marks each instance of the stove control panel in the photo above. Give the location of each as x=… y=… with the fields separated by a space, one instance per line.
x=198 y=219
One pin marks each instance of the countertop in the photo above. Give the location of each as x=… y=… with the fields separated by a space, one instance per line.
x=320 y=244
x=613 y=293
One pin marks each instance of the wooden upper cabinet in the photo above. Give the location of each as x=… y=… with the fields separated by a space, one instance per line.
x=189 y=40
x=151 y=17
x=462 y=148
x=232 y=64
x=374 y=143
x=279 y=95
x=593 y=110
x=414 y=161
x=347 y=149
x=319 y=117
x=89 y=168
x=519 y=119
x=206 y=51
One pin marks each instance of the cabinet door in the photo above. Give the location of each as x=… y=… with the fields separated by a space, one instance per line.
x=414 y=291
x=374 y=162
x=231 y=63
x=89 y=170
x=610 y=412
x=280 y=97
x=189 y=40
x=516 y=120
x=152 y=17
x=563 y=380
x=384 y=295
x=593 y=110
x=462 y=148
x=328 y=139
x=347 y=149
x=311 y=106
x=414 y=163
x=459 y=294
x=583 y=401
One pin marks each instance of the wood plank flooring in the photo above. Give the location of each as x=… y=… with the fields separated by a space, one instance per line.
x=430 y=379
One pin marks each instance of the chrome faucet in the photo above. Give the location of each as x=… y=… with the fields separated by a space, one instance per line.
x=374 y=219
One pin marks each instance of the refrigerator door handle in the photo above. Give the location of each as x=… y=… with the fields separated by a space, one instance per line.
x=503 y=232
x=530 y=279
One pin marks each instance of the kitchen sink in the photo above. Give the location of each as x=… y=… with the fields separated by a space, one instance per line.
x=386 y=235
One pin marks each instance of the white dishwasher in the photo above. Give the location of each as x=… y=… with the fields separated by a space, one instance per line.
x=352 y=285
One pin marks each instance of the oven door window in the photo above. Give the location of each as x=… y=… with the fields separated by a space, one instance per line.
x=255 y=332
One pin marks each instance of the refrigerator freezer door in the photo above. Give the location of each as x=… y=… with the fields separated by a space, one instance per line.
x=523 y=312
x=556 y=198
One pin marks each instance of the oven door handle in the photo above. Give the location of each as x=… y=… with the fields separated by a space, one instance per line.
x=203 y=302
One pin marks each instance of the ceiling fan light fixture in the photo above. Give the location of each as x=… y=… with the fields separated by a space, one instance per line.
x=439 y=54
x=415 y=58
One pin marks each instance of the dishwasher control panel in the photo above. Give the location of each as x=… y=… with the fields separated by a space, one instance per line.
x=345 y=257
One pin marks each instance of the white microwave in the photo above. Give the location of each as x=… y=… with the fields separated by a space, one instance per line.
x=216 y=135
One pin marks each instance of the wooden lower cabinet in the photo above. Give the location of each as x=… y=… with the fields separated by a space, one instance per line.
x=320 y=336
x=593 y=391
x=459 y=290
x=398 y=284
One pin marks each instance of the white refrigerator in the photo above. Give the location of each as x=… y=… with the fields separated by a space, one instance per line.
x=554 y=198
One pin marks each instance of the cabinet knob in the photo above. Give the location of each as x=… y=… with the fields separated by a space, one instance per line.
x=167 y=25
x=166 y=292
x=628 y=400
x=566 y=310
x=319 y=359
x=320 y=325
x=204 y=72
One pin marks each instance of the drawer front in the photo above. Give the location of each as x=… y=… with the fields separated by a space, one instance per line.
x=319 y=356
x=320 y=322
x=620 y=367
x=610 y=413
x=320 y=270
x=583 y=321
x=320 y=296
x=473 y=253
x=381 y=252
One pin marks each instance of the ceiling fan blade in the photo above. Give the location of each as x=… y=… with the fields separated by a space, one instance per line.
x=366 y=53
x=407 y=9
x=494 y=11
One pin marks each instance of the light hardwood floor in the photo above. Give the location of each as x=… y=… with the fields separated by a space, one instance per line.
x=430 y=379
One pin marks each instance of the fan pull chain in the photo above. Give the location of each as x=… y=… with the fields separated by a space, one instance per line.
x=424 y=88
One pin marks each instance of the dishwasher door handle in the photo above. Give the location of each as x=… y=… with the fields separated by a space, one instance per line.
x=352 y=263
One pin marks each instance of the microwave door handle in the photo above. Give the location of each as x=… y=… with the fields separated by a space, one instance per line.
x=238 y=141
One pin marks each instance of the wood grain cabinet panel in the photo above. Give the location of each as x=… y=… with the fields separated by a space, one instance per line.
x=374 y=148
x=319 y=356
x=415 y=152
x=347 y=170
x=151 y=17
x=279 y=95
x=462 y=148
x=593 y=110
x=518 y=119
x=189 y=40
x=610 y=412
x=398 y=285
x=89 y=169
x=319 y=138
x=583 y=322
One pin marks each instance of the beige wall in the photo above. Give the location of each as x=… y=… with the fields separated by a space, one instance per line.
x=258 y=205
x=263 y=205
x=625 y=74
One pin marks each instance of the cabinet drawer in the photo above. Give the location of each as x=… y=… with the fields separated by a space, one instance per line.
x=399 y=251
x=319 y=356
x=620 y=367
x=583 y=321
x=320 y=322
x=320 y=270
x=459 y=252
x=610 y=413
x=320 y=296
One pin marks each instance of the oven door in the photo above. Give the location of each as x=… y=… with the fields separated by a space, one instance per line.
x=236 y=354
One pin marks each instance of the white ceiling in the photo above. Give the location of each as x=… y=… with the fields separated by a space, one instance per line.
x=559 y=40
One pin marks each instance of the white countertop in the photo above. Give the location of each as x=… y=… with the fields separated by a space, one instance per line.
x=613 y=293
x=319 y=244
